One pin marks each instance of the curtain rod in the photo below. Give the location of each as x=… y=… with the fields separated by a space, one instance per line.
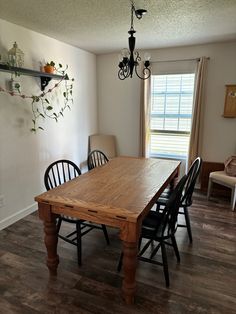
x=196 y=59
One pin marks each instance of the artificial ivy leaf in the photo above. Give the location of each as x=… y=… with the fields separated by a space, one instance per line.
x=33 y=130
x=41 y=128
x=71 y=92
x=46 y=100
x=42 y=115
x=60 y=65
x=61 y=114
x=66 y=77
x=49 y=107
x=64 y=94
x=72 y=80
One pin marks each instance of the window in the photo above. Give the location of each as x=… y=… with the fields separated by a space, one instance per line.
x=171 y=114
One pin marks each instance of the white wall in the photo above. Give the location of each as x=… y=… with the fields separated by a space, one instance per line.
x=118 y=101
x=24 y=156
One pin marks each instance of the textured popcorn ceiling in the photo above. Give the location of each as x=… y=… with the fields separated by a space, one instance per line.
x=101 y=26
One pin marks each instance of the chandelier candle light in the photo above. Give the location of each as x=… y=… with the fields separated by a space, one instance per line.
x=129 y=59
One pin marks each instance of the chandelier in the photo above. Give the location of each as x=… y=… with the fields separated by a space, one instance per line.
x=130 y=59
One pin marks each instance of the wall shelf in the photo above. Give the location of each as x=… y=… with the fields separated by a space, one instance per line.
x=45 y=78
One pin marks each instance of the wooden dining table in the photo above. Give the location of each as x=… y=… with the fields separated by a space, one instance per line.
x=118 y=194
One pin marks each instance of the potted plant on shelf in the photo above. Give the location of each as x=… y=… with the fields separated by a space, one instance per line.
x=49 y=67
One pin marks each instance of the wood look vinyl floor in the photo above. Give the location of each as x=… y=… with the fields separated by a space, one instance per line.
x=204 y=281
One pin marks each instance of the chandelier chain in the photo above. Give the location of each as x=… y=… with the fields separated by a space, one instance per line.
x=132 y=15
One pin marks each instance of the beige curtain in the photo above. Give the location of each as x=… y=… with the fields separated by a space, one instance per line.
x=195 y=142
x=145 y=117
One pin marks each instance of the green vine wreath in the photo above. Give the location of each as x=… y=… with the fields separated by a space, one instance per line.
x=41 y=106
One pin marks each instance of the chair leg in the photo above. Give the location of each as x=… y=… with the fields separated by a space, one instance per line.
x=59 y=224
x=105 y=234
x=173 y=240
x=209 y=188
x=233 y=198
x=165 y=264
x=79 y=246
x=187 y=220
x=158 y=207
x=140 y=242
x=120 y=262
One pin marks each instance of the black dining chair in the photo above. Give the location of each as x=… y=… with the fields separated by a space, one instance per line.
x=96 y=158
x=56 y=174
x=159 y=228
x=186 y=200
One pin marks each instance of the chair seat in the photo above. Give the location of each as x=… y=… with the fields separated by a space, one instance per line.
x=153 y=222
x=162 y=200
x=220 y=177
x=223 y=178
x=70 y=219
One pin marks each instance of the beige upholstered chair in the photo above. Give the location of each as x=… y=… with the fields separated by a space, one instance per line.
x=104 y=143
x=220 y=177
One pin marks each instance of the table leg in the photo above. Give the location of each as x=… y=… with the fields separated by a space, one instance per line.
x=129 y=265
x=50 y=241
x=50 y=237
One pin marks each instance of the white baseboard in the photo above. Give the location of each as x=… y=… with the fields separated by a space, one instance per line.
x=17 y=216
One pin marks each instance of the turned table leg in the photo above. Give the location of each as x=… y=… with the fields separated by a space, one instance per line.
x=50 y=241
x=50 y=238
x=129 y=267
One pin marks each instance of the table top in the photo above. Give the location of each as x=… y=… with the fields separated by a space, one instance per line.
x=125 y=187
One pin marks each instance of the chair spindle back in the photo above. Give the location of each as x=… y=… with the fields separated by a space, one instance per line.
x=60 y=172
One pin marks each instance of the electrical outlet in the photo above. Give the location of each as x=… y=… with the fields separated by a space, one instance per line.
x=1 y=201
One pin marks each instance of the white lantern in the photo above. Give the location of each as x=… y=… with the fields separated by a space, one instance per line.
x=16 y=56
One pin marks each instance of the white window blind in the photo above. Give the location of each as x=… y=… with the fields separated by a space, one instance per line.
x=171 y=114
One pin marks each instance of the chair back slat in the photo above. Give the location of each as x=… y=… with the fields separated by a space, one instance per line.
x=63 y=171
x=60 y=172
x=96 y=158
x=54 y=183
x=50 y=184
x=58 y=175
x=69 y=173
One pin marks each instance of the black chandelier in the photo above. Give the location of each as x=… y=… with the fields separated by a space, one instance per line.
x=129 y=59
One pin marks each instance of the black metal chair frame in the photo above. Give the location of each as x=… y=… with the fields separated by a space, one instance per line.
x=56 y=174
x=186 y=200
x=161 y=227
x=96 y=158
